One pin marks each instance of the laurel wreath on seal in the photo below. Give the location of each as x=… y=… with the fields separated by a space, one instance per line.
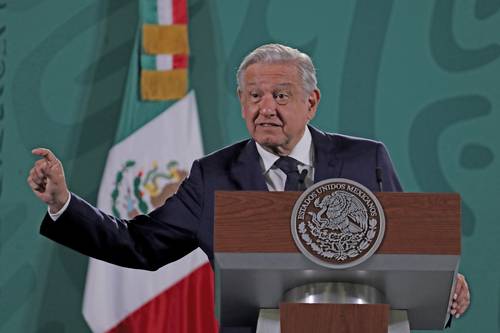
x=118 y=180
x=143 y=206
x=338 y=246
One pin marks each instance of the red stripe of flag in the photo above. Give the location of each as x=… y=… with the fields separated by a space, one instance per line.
x=186 y=307
x=180 y=61
x=179 y=12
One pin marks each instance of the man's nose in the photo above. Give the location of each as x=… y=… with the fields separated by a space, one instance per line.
x=267 y=106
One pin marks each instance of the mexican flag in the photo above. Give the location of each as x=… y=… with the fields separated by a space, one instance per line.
x=156 y=143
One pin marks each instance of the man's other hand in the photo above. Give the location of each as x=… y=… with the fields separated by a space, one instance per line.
x=47 y=181
x=461 y=297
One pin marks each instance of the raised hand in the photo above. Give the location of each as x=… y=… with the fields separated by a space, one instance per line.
x=47 y=181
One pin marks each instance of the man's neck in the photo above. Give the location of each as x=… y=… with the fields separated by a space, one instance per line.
x=302 y=152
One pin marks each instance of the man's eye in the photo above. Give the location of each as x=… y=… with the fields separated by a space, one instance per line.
x=281 y=97
x=254 y=95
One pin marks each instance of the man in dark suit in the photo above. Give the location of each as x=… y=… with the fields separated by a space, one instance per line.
x=278 y=92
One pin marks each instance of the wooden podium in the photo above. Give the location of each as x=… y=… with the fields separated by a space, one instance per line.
x=257 y=262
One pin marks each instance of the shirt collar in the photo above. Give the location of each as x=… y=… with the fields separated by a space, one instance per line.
x=301 y=152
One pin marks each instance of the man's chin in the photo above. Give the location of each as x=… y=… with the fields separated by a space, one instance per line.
x=269 y=142
x=273 y=145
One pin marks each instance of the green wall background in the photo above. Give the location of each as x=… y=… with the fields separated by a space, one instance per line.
x=422 y=76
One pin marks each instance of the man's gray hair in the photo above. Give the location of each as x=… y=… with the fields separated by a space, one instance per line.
x=277 y=53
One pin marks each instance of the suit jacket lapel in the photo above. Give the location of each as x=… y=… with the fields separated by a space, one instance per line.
x=327 y=163
x=246 y=170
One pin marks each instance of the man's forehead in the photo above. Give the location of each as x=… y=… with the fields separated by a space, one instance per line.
x=287 y=69
x=279 y=85
x=271 y=74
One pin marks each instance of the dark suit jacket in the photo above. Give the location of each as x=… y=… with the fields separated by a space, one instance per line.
x=185 y=221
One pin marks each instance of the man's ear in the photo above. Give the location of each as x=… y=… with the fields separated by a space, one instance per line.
x=313 y=101
x=240 y=97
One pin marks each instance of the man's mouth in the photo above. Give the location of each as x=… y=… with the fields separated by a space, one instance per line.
x=269 y=125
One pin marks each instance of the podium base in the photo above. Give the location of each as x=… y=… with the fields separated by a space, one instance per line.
x=269 y=321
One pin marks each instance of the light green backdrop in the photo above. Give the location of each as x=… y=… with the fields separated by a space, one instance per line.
x=422 y=76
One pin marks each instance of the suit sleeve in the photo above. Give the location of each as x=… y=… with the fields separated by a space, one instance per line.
x=390 y=178
x=146 y=242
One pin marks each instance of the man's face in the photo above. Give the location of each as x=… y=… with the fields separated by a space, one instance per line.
x=274 y=105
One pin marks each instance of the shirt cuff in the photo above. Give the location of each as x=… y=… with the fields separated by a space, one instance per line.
x=55 y=216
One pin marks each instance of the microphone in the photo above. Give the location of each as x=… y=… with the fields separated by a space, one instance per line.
x=302 y=178
x=378 y=174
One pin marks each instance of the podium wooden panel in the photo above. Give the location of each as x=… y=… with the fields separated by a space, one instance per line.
x=257 y=261
x=417 y=223
x=338 y=318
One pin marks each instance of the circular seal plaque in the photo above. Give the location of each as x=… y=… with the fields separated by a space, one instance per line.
x=338 y=223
